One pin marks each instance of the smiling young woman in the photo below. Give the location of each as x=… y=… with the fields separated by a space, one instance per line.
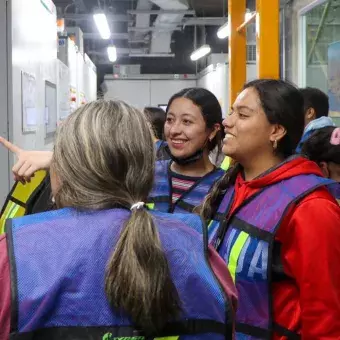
x=193 y=129
x=274 y=222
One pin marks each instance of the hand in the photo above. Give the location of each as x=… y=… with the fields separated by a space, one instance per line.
x=28 y=161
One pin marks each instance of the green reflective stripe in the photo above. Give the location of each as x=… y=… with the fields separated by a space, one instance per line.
x=151 y=206
x=13 y=211
x=2 y=227
x=226 y=163
x=209 y=225
x=10 y=214
x=235 y=253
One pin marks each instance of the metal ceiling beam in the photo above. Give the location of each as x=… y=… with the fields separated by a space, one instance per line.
x=200 y=21
x=152 y=55
x=120 y=51
x=160 y=12
x=114 y=36
x=208 y=21
x=153 y=29
x=83 y=17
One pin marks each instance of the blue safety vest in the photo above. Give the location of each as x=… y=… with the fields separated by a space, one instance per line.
x=246 y=241
x=161 y=195
x=58 y=261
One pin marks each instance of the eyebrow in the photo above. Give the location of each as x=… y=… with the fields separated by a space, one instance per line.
x=182 y=114
x=241 y=107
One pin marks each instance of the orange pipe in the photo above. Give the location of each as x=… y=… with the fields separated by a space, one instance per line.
x=237 y=48
x=268 y=38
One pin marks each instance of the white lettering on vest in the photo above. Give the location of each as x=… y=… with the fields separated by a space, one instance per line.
x=259 y=261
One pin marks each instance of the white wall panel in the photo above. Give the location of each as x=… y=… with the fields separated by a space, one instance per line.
x=163 y=90
x=90 y=80
x=217 y=81
x=80 y=79
x=72 y=62
x=63 y=90
x=34 y=50
x=141 y=93
x=134 y=92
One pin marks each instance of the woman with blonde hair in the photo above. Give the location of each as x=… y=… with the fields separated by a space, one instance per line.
x=102 y=266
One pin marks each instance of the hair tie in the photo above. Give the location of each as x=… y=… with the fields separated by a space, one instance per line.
x=335 y=138
x=137 y=206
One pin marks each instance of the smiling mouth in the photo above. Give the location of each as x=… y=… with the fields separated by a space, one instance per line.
x=229 y=136
x=178 y=141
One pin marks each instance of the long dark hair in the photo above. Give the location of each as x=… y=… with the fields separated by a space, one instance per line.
x=157 y=117
x=282 y=104
x=210 y=108
x=98 y=162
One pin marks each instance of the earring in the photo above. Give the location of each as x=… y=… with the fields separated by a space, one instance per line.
x=275 y=144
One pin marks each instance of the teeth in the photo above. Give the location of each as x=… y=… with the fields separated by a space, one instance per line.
x=178 y=141
x=228 y=135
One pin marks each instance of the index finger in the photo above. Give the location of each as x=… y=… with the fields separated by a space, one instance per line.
x=11 y=147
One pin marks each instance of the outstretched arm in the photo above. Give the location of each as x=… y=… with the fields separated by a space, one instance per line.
x=28 y=161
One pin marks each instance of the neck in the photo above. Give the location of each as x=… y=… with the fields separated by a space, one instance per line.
x=198 y=169
x=258 y=166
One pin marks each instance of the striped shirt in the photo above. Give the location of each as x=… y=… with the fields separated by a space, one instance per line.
x=181 y=184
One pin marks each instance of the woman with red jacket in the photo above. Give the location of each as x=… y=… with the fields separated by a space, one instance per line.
x=274 y=222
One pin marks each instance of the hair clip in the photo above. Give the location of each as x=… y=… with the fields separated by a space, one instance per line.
x=335 y=138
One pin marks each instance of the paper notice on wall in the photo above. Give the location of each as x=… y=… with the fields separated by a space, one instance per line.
x=28 y=96
x=31 y=116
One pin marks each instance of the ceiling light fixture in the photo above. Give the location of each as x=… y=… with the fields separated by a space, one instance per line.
x=102 y=24
x=200 y=52
x=112 y=53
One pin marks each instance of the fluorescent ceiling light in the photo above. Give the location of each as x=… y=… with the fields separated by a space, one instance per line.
x=102 y=25
x=112 y=53
x=201 y=52
x=224 y=31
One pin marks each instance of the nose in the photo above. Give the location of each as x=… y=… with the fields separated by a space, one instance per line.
x=175 y=128
x=229 y=121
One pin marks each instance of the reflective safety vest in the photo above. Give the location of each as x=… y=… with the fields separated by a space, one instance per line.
x=59 y=293
x=161 y=195
x=335 y=190
x=161 y=153
x=226 y=163
x=25 y=199
x=246 y=241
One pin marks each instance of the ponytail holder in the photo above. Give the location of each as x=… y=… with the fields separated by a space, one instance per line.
x=335 y=138
x=137 y=206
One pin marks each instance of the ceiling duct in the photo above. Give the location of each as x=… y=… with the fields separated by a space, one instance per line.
x=142 y=20
x=161 y=40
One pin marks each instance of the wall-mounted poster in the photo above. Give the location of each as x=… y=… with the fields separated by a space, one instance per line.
x=334 y=79
x=29 y=110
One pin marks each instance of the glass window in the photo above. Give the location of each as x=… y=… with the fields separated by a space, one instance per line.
x=322 y=59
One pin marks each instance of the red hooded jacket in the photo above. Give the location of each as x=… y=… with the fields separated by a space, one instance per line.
x=310 y=252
